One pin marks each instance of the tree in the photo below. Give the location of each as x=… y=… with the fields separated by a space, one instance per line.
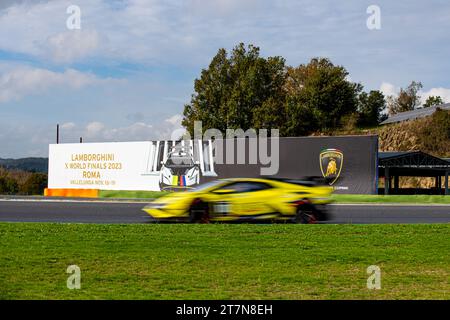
x=319 y=95
x=436 y=136
x=433 y=101
x=370 y=107
x=244 y=90
x=270 y=115
x=233 y=89
x=8 y=185
x=300 y=119
x=408 y=99
x=35 y=184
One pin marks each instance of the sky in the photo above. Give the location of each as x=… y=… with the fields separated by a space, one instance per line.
x=126 y=73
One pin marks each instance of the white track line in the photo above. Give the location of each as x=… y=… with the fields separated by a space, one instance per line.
x=393 y=204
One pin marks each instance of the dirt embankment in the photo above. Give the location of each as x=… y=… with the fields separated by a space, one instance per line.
x=430 y=135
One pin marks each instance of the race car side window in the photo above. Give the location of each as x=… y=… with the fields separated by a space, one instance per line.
x=240 y=187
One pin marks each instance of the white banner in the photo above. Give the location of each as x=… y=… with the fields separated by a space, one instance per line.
x=104 y=166
x=149 y=165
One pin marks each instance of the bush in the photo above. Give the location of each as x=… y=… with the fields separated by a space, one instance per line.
x=22 y=182
x=350 y=122
x=35 y=184
x=8 y=185
x=436 y=136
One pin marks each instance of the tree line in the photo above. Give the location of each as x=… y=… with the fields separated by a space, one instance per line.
x=244 y=90
x=22 y=182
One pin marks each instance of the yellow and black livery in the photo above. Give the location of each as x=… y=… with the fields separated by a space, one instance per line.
x=246 y=199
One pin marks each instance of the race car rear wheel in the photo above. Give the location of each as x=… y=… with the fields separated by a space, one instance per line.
x=305 y=215
x=199 y=212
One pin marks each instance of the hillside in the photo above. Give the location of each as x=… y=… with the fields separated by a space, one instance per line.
x=26 y=164
x=430 y=135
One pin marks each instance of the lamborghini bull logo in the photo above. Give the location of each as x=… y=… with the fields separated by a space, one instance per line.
x=331 y=168
x=331 y=161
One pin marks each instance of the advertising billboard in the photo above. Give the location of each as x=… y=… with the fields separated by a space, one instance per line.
x=349 y=163
x=148 y=165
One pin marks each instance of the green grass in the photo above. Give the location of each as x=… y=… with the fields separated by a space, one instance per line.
x=160 y=261
x=363 y=198
x=131 y=194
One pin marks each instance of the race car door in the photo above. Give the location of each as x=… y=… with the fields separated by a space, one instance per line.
x=243 y=198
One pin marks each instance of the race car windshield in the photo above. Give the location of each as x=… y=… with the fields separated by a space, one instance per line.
x=206 y=185
x=174 y=162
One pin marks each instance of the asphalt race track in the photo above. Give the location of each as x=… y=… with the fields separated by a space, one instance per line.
x=81 y=211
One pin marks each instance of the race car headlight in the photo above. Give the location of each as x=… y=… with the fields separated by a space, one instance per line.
x=166 y=175
x=155 y=206
x=190 y=173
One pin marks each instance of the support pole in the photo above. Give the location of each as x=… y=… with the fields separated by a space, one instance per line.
x=387 y=180
x=447 y=191
x=57 y=134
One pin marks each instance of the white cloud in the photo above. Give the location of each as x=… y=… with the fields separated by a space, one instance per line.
x=68 y=126
x=136 y=30
x=97 y=131
x=25 y=26
x=95 y=128
x=32 y=139
x=21 y=140
x=69 y=46
x=22 y=81
x=389 y=89
x=175 y=120
x=161 y=30
x=444 y=93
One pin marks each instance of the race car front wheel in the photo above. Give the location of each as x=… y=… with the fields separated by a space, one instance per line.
x=305 y=215
x=199 y=212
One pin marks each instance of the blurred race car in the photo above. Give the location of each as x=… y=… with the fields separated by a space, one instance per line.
x=252 y=199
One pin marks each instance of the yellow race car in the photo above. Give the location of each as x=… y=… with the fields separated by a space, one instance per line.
x=252 y=199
